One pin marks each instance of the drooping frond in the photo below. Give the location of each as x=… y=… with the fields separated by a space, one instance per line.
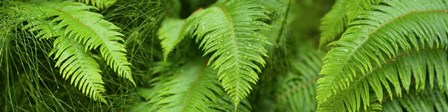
x=88 y=28
x=427 y=101
x=228 y=30
x=192 y=88
x=171 y=33
x=342 y=13
x=99 y=3
x=379 y=47
x=75 y=28
x=391 y=79
x=76 y=63
x=297 y=91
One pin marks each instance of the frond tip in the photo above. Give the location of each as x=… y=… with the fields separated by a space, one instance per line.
x=80 y=66
x=171 y=33
x=228 y=30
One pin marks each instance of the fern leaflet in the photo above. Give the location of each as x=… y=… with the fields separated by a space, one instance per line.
x=171 y=33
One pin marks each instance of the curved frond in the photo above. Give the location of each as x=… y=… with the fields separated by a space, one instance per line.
x=78 y=31
x=80 y=66
x=427 y=101
x=228 y=30
x=342 y=13
x=297 y=91
x=191 y=89
x=102 y=4
x=370 y=53
x=171 y=33
x=333 y=23
x=391 y=79
x=88 y=28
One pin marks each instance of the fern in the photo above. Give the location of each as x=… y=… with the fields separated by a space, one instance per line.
x=189 y=90
x=99 y=3
x=90 y=29
x=342 y=13
x=228 y=29
x=297 y=91
x=426 y=101
x=75 y=27
x=378 y=47
x=80 y=66
x=171 y=33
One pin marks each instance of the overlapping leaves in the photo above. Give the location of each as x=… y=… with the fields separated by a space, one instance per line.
x=78 y=31
x=382 y=49
x=229 y=31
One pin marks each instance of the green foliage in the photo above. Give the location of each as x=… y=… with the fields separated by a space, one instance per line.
x=171 y=33
x=75 y=62
x=191 y=89
x=426 y=101
x=194 y=87
x=99 y=3
x=376 y=50
x=89 y=31
x=340 y=16
x=297 y=88
x=228 y=30
x=223 y=55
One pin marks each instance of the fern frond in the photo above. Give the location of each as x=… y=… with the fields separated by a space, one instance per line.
x=333 y=23
x=228 y=30
x=297 y=91
x=171 y=33
x=75 y=28
x=45 y=29
x=80 y=66
x=191 y=89
x=372 y=47
x=391 y=78
x=90 y=29
x=427 y=101
x=342 y=13
x=101 y=4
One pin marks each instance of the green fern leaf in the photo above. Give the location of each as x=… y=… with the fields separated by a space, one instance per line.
x=171 y=33
x=427 y=101
x=229 y=31
x=391 y=78
x=80 y=66
x=333 y=23
x=191 y=89
x=76 y=28
x=342 y=13
x=379 y=37
x=92 y=30
x=102 y=4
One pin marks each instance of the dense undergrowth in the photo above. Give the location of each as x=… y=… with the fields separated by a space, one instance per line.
x=223 y=55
